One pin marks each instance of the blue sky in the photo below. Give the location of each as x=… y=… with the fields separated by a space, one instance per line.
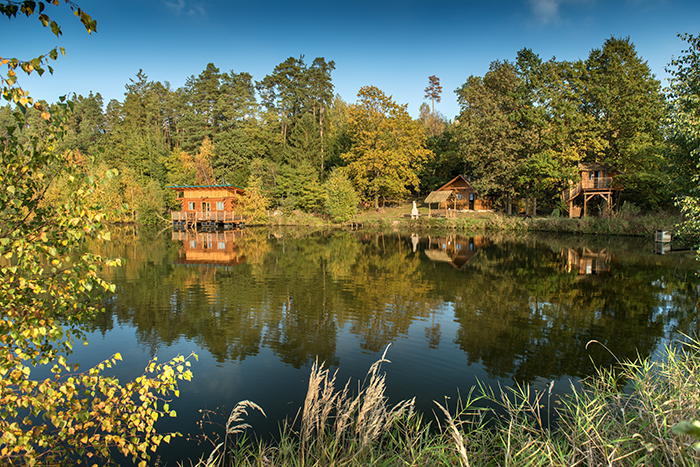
x=394 y=45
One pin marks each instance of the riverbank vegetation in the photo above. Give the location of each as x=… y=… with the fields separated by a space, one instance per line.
x=633 y=413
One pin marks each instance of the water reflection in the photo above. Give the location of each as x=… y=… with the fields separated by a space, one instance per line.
x=260 y=306
x=516 y=307
x=209 y=248
x=455 y=250
x=587 y=261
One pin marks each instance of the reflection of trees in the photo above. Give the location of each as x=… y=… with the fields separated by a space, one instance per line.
x=533 y=319
x=291 y=295
x=520 y=313
x=388 y=290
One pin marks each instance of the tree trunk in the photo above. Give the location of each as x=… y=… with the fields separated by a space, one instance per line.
x=321 y=127
x=534 y=207
x=509 y=205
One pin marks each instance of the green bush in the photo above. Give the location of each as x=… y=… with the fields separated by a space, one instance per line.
x=341 y=199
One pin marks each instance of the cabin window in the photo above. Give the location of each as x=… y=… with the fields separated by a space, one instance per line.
x=459 y=196
x=193 y=244
x=471 y=196
x=190 y=205
x=222 y=245
x=219 y=205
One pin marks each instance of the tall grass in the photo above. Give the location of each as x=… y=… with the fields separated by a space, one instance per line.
x=621 y=416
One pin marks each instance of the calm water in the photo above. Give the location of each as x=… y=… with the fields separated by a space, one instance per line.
x=259 y=307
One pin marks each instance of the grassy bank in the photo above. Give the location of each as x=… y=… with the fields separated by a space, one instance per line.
x=625 y=222
x=622 y=416
x=622 y=223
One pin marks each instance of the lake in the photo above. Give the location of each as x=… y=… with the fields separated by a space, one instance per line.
x=260 y=306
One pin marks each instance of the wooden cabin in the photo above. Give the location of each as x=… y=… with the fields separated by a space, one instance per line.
x=458 y=195
x=594 y=180
x=207 y=206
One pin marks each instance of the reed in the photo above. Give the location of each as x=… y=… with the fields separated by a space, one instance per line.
x=621 y=416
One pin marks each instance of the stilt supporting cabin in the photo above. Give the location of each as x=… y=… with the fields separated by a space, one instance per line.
x=207 y=207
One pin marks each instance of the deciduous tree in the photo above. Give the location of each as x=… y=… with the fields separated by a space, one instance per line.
x=683 y=133
x=49 y=289
x=388 y=147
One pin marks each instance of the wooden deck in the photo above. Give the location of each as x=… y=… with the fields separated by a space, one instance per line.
x=184 y=220
x=588 y=188
x=601 y=184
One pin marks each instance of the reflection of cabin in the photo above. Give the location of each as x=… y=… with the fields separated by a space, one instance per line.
x=207 y=206
x=586 y=262
x=458 y=194
x=454 y=249
x=594 y=180
x=209 y=248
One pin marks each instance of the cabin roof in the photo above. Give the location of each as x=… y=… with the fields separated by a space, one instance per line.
x=197 y=187
x=458 y=182
x=593 y=166
x=438 y=196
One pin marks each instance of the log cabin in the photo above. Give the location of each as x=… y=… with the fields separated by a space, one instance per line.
x=207 y=206
x=458 y=194
x=595 y=179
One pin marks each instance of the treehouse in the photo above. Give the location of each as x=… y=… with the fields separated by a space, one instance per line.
x=207 y=207
x=458 y=194
x=594 y=180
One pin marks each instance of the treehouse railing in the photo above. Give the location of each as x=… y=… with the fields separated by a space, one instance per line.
x=600 y=183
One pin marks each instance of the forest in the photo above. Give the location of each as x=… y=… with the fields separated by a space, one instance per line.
x=523 y=128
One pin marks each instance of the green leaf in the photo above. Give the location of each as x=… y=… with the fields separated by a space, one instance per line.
x=57 y=31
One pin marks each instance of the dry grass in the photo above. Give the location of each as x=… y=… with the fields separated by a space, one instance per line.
x=622 y=416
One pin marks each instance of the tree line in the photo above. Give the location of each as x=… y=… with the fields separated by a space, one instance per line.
x=523 y=128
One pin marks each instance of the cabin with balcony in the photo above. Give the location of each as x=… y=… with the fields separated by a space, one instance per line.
x=458 y=195
x=207 y=207
x=594 y=180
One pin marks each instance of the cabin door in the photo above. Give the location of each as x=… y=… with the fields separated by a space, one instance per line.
x=206 y=207
x=594 y=177
x=471 y=201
